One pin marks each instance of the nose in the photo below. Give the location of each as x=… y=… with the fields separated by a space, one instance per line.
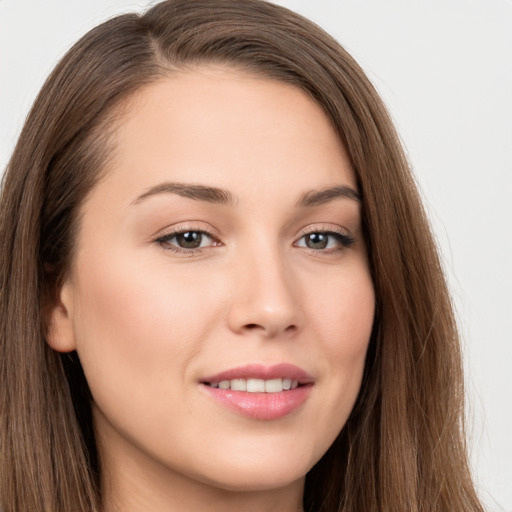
x=265 y=299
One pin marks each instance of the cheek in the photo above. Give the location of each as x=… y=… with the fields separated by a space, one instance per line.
x=354 y=314
x=345 y=323
x=136 y=322
x=344 y=313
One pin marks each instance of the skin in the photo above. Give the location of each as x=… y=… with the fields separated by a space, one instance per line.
x=149 y=322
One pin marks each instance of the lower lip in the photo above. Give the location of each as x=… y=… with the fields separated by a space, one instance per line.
x=261 y=406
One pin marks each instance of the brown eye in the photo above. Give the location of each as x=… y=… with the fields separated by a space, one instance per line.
x=189 y=240
x=317 y=240
x=186 y=241
x=325 y=240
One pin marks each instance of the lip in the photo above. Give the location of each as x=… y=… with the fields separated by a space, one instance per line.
x=261 y=406
x=260 y=371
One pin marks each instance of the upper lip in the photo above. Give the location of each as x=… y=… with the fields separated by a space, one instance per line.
x=260 y=371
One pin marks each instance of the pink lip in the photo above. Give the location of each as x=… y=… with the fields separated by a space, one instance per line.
x=261 y=406
x=259 y=371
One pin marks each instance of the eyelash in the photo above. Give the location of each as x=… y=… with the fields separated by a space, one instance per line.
x=343 y=239
x=165 y=241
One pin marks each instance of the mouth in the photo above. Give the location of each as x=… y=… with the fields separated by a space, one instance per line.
x=260 y=392
x=254 y=385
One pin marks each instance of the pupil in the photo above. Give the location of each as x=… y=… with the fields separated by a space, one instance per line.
x=317 y=241
x=189 y=240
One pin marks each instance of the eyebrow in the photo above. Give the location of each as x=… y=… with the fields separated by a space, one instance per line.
x=319 y=197
x=216 y=195
x=197 y=192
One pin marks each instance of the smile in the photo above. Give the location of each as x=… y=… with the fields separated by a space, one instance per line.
x=256 y=385
x=260 y=392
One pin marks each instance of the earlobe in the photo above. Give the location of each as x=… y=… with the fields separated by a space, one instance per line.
x=60 y=334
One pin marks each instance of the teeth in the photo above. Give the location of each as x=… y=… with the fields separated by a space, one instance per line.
x=238 y=385
x=256 y=385
x=274 y=385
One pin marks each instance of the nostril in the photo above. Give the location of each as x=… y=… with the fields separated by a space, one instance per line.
x=256 y=327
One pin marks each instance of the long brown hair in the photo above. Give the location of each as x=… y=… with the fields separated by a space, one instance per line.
x=402 y=448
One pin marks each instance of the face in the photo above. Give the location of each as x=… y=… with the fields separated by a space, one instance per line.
x=220 y=298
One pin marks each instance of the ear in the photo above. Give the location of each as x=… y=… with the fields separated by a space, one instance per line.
x=60 y=334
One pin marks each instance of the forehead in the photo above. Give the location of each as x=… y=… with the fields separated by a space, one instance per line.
x=223 y=127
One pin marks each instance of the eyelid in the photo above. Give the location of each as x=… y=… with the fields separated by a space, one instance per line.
x=163 y=237
x=183 y=227
x=172 y=231
x=323 y=228
x=345 y=238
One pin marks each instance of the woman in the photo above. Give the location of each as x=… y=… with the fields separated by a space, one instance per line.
x=234 y=297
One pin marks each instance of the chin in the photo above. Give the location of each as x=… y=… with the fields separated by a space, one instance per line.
x=264 y=474
x=253 y=480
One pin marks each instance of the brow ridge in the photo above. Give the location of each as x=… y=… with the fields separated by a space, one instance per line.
x=216 y=195
x=319 y=197
x=190 y=191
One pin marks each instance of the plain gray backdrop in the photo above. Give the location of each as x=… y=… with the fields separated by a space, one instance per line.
x=444 y=68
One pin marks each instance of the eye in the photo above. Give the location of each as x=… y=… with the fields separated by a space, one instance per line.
x=325 y=241
x=186 y=240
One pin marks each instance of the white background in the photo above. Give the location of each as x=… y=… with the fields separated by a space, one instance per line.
x=444 y=68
